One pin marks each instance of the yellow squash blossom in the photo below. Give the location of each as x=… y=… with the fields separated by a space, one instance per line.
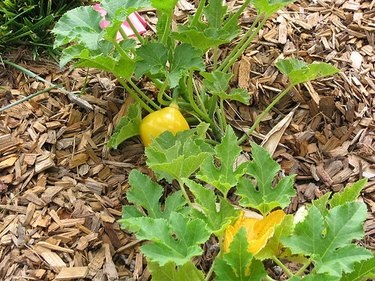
x=259 y=230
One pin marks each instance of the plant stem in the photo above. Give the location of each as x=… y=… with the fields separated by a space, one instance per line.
x=284 y=268
x=183 y=189
x=26 y=98
x=136 y=33
x=202 y=114
x=222 y=114
x=123 y=34
x=142 y=94
x=161 y=93
x=243 y=44
x=121 y=51
x=236 y=15
x=167 y=29
x=134 y=94
x=270 y=278
x=209 y=273
x=198 y=13
x=264 y=112
x=216 y=56
x=200 y=96
x=302 y=269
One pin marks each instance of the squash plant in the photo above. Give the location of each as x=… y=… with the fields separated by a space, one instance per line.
x=318 y=239
x=214 y=195
x=172 y=60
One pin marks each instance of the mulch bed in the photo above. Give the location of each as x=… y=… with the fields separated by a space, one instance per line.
x=62 y=188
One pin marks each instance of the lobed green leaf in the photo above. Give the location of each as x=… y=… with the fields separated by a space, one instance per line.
x=127 y=127
x=300 y=72
x=186 y=58
x=171 y=272
x=179 y=156
x=239 y=264
x=222 y=175
x=217 y=214
x=79 y=25
x=349 y=194
x=362 y=271
x=262 y=195
x=175 y=239
x=269 y=7
x=152 y=59
x=327 y=238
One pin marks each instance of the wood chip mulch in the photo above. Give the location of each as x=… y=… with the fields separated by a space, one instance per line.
x=62 y=188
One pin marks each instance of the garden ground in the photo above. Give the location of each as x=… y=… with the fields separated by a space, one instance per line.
x=62 y=188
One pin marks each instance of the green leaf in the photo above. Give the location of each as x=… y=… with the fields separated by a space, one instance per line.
x=203 y=37
x=269 y=7
x=215 y=12
x=70 y=53
x=216 y=82
x=120 y=66
x=274 y=246
x=179 y=156
x=118 y=10
x=127 y=127
x=175 y=239
x=239 y=94
x=239 y=264
x=315 y=277
x=167 y=6
x=80 y=25
x=362 y=271
x=216 y=215
x=223 y=176
x=171 y=272
x=146 y=193
x=185 y=59
x=328 y=239
x=212 y=33
x=300 y=72
x=322 y=203
x=173 y=236
x=262 y=195
x=349 y=194
x=152 y=59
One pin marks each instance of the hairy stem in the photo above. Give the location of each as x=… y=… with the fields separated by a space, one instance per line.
x=222 y=113
x=198 y=13
x=216 y=56
x=121 y=51
x=123 y=34
x=162 y=92
x=167 y=29
x=184 y=192
x=209 y=273
x=236 y=15
x=136 y=33
x=142 y=94
x=264 y=113
x=303 y=268
x=193 y=104
x=133 y=94
x=284 y=268
x=243 y=44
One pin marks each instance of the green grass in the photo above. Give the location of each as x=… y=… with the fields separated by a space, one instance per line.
x=28 y=22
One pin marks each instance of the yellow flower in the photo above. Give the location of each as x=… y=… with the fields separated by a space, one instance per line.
x=259 y=230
